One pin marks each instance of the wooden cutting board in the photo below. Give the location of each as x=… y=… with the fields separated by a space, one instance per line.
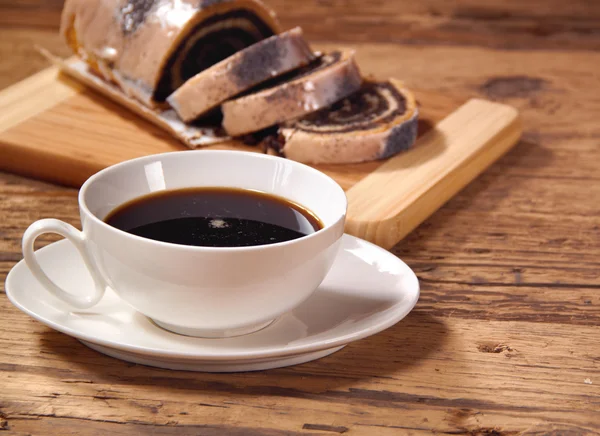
x=55 y=129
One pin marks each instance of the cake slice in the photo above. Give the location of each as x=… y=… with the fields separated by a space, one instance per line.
x=316 y=86
x=151 y=47
x=249 y=67
x=378 y=121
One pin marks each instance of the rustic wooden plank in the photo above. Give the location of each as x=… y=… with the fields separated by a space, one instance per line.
x=18 y=53
x=439 y=367
x=48 y=11
x=577 y=9
x=497 y=23
x=477 y=27
x=31 y=13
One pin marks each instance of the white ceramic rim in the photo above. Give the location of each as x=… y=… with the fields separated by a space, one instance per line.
x=394 y=318
x=101 y=173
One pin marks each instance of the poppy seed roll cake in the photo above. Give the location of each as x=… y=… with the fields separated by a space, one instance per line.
x=151 y=47
x=328 y=79
x=264 y=60
x=377 y=122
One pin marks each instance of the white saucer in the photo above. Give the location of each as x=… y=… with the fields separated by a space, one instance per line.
x=367 y=291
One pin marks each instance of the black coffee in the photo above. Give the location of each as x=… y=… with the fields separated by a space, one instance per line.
x=214 y=217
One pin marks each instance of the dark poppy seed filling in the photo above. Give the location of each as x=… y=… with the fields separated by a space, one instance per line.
x=321 y=62
x=209 y=42
x=375 y=103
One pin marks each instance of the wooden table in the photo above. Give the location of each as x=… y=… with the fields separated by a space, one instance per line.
x=506 y=337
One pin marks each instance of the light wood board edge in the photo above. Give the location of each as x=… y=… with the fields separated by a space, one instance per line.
x=34 y=95
x=162 y=117
x=393 y=200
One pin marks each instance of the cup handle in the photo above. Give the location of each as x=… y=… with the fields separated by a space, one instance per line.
x=77 y=238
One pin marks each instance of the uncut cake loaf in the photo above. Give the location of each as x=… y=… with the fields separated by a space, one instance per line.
x=151 y=47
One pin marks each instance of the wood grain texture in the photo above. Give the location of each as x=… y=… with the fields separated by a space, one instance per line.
x=34 y=95
x=493 y=377
x=511 y=24
x=19 y=56
x=504 y=340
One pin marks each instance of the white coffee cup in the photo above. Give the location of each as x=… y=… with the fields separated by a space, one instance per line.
x=200 y=291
